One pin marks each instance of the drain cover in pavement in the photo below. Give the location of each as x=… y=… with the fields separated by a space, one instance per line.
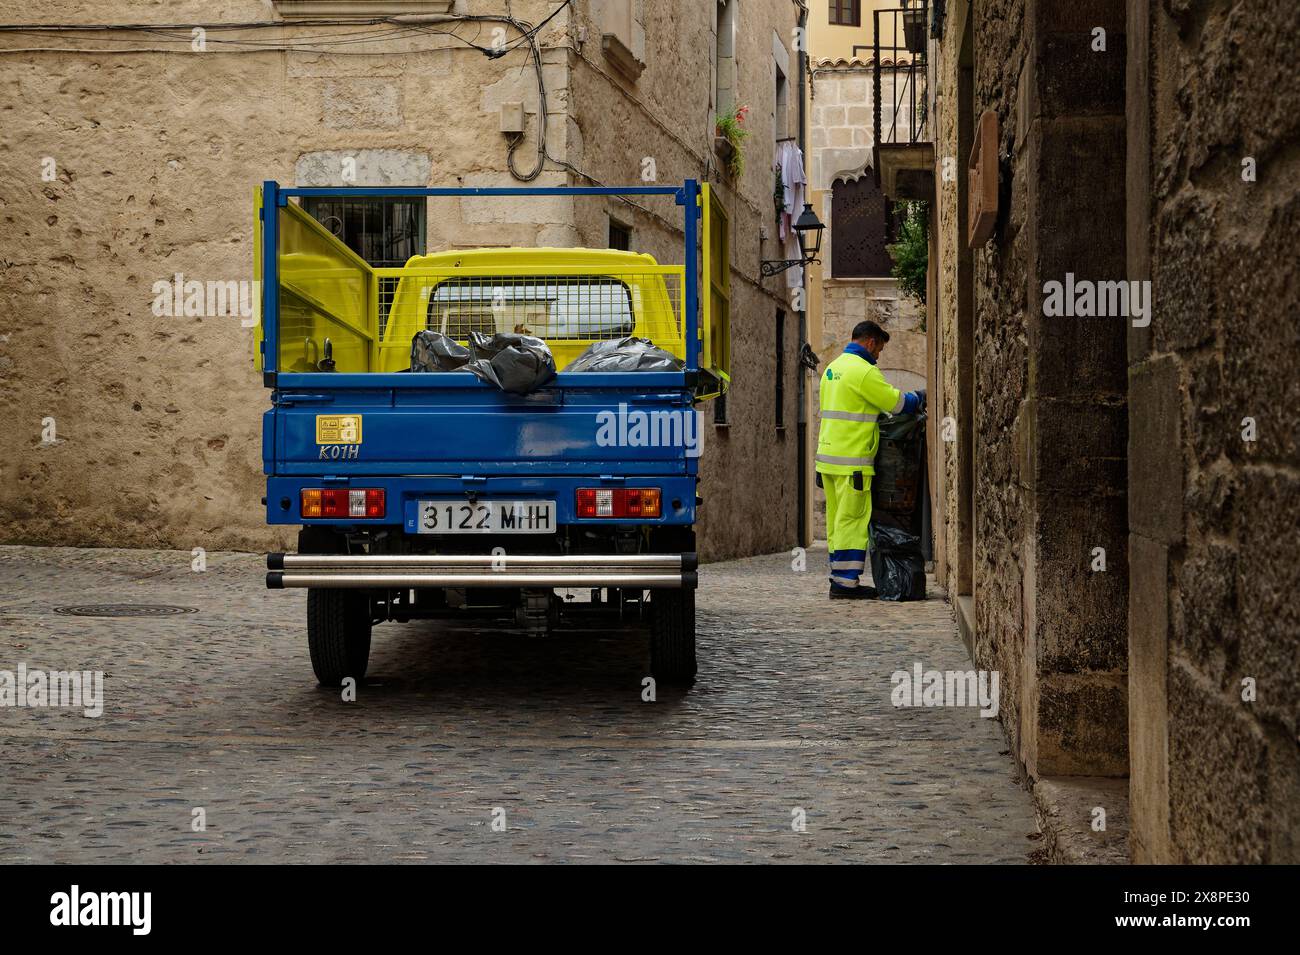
x=124 y=610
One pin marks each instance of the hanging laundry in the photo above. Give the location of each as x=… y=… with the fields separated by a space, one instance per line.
x=789 y=163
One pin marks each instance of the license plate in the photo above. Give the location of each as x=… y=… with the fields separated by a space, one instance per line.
x=487 y=517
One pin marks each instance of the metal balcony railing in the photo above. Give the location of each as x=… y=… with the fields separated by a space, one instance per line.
x=899 y=70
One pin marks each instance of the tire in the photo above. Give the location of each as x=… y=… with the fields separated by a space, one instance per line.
x=672 y=635
x=338 y=634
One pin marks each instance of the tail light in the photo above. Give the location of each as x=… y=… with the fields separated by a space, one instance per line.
x=342 y=502
x=619 y=502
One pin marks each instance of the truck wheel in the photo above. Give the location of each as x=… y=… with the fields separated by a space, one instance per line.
x=672 y=635
x=338 y=634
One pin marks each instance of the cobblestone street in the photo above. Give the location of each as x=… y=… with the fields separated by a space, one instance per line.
x=218 y=710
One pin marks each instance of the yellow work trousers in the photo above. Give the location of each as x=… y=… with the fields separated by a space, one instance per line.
x=848 y=520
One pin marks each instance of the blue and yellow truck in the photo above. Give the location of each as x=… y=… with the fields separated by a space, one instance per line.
x=429 y=495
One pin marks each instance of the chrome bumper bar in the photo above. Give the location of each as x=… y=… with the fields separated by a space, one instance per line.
x=405 y=571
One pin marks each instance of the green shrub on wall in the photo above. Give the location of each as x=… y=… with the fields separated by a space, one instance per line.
x=911 y=253
x=731 y=127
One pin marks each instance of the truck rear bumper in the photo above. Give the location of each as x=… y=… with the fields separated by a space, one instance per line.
x=404 y=494
x=404 y=571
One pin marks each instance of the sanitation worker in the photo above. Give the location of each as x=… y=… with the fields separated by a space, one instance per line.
x=853 y=395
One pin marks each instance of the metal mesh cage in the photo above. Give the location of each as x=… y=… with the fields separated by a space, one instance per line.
x=567 y=308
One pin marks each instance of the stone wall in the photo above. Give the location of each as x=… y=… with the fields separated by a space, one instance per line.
x=1214 y=222
x=950 y=446
x=1186 y=468
x=840 y=123
x=158 y=419
x=157 y=155
x=1071 y=121
x=1003 y=528
x=1036 y=403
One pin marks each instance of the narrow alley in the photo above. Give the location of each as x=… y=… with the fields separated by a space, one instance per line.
x=217 y=710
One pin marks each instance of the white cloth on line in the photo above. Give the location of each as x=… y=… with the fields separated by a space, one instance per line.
x=789 y=159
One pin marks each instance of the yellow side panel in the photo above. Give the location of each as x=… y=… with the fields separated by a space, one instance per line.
x=326 y=292
x=715 y=352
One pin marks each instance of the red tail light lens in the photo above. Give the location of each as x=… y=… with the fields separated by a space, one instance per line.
x=343 y=502
x=619 y=502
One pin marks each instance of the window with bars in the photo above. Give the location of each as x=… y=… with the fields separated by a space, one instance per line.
x=846 y=13
x=620 y=236
x=385 y=231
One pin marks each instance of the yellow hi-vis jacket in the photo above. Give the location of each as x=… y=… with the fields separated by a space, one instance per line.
x=853 y=394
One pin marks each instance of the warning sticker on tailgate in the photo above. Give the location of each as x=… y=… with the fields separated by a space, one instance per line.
x=338 y=429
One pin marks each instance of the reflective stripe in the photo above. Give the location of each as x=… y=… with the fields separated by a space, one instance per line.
x=902 y=400
x=844 y=581
x=848 y=565
x=841 y=459
x=849 y=416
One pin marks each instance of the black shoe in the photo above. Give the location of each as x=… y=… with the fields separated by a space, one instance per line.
x=854 y=593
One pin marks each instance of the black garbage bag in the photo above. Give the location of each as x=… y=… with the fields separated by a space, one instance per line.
x=625 y=354
x=899 y=465
x=518 y=364
x=434 y=351
x=897 y=565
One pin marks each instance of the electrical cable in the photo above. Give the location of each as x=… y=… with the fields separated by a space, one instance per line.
x=543 y=115
x=537 y=29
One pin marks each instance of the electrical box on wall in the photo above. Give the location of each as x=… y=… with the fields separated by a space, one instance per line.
x=512 y=118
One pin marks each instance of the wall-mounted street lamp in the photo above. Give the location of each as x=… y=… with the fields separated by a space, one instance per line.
x=914 y=25
x=808 y=230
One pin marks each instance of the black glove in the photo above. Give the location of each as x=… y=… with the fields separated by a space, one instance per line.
x=921 y=395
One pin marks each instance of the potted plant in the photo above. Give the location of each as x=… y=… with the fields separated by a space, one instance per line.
x=729 y=135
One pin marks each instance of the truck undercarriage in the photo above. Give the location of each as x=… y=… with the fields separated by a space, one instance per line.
x=356 y=580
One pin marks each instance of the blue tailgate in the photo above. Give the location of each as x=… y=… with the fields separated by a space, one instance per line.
x=428 y=434
x=452 y=423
